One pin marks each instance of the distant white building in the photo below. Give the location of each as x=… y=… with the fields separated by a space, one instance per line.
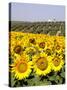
x=52 y=20
x=49 y=20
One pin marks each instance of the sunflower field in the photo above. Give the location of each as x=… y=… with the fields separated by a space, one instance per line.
x=36 y=59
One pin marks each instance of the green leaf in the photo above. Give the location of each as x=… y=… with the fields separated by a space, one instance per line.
x=34 y=81
x=58 y=79
x=52 y=78
x=13 y=81
x=62 y=74
x=46 y=82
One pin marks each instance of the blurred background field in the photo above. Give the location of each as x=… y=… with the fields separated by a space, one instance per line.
x=51 y=28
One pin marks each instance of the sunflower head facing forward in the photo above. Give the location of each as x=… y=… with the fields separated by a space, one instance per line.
x=41 y=64
x=21 y=68
x=57 y=63
x=17 y=48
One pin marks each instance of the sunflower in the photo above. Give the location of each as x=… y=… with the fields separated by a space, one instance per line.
x=45 y=42
x=59 y=44
x=50 y=42
x=59 y=48
x=16 y=35
x=49 y=52
x=41 y=44
x=60 y=40
x=16 y=48
x=30 y=50
x=57 y=63
x=32 y=39
x=21 y=67
x=19 y=36
x=41 y=64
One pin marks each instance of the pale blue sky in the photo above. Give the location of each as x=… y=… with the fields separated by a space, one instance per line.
x=36 y=12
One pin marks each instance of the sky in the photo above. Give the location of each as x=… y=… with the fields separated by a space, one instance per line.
x=36 y=12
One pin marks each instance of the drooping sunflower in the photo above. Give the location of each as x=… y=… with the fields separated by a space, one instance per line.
x=57 y=63
x=50 y=42
x=21 y=67
x=49 y=45
x=41 y=64
x=59 y=44
x=30 y=51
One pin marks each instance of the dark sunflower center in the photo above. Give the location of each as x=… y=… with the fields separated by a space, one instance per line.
x=48 y=51
x=57 y=47
x=22 y=67
x=17 y=49
x=42 y=63
x=32 y=40
x=56 y=61
x=42 y=44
